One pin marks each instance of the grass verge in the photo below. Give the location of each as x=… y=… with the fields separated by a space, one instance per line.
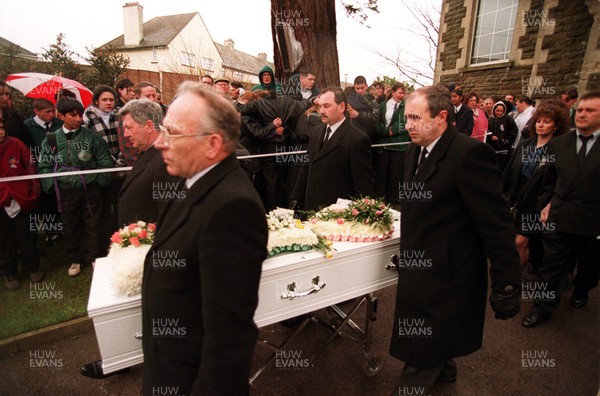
x=58 y=298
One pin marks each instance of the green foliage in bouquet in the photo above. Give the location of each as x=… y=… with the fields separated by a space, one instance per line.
x=366 y=210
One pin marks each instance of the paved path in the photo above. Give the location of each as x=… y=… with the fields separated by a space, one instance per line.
x=567 y=346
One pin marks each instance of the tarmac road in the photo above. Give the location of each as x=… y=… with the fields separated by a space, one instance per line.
x=560 y=357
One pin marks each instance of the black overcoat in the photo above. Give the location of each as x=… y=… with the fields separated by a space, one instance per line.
x=200 y=287
x=453 y=217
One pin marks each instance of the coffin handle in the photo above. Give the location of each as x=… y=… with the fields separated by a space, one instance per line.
x=292 y=293
x=393 y=264
x=138 y=335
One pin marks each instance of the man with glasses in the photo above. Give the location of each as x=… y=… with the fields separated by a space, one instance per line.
x=201 y=276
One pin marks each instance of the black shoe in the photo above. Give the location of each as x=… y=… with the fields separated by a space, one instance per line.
x=12 y=282
x=535 y=319
x=94 y=370
x=579 y=301
x=447 y=376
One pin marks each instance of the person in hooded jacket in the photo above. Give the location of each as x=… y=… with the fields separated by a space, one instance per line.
x=503 y=132
x=267 y=81
x=280 y=114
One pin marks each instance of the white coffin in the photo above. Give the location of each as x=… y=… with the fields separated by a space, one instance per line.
x=355 y=270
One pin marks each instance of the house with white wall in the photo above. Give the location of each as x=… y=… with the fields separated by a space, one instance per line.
x=181 y=44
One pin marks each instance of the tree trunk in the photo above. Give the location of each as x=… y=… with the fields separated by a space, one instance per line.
x=314 y=24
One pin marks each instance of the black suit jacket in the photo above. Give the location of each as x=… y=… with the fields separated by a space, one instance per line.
x=453 y=218
x=575 y=191
x=464 y=120
x=340 y=168
x=200 y=286
x=146 y=189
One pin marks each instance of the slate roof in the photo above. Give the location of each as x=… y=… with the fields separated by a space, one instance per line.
x=158 y=32
x=23 y=53
x=242 y=61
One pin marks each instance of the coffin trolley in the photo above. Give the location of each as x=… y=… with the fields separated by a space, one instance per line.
x=291 y=284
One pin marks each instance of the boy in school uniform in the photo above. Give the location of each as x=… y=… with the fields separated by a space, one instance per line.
x=76 y=148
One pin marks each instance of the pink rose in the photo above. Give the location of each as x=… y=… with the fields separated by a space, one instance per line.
x=143 y=234
x=378 y=213
x=116 y=238
x=132 y=226
x=134 y=241
x=340 y=221
x=354 y=212
x=152 y=227
x=314 y=221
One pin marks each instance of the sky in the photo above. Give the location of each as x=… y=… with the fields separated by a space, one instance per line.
x=34 y=25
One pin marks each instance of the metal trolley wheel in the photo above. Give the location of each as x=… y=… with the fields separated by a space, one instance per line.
x=372 y=366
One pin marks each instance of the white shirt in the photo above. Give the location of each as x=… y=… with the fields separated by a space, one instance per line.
x=334 y=127
x=190 y=181
x=521 y=120
x=431 y=146
x=306 y=93
x=456 y=110
x=40 y=122
x=590 y=142
x=389 y=110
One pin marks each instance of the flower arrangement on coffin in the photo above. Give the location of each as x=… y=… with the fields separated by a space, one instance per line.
x=287 y=234
x=127 y=252
x=359 y=220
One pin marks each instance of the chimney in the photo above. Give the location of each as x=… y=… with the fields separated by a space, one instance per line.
x=229 y=43
x=262 y=55
x=133 y=22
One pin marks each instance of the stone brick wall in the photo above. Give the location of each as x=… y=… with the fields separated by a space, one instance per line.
x=566 y=46
x=454 y=33
x=527 y=41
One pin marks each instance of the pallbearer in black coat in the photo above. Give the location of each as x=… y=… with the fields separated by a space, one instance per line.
x=339 y=162
x=148 y=187
x=453 y=219
x=201 y=276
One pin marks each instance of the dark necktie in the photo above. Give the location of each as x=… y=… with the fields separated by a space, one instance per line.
x=47 y=125
x=583 y=150
x=395 y=109
x=422 y=156
x=327 y=135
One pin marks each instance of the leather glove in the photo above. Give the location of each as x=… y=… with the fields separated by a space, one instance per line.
x=292 y=205
x=505 y=302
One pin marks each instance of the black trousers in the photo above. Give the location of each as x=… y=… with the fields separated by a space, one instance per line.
x=389 y=169
x=559 y=251
x=81 y=215
x=110 y=210
x=16 y=233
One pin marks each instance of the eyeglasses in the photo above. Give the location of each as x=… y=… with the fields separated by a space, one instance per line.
x=167 y=136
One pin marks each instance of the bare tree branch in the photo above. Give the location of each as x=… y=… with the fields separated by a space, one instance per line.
x=417 y=68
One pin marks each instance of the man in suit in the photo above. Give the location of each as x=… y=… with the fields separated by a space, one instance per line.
x=447 y=234
x=201 y=276
x=148 y=186
x=573 y=214
x=462 y=116
x=339 y=158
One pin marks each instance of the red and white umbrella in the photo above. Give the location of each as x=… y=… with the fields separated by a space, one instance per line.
x=46 y=86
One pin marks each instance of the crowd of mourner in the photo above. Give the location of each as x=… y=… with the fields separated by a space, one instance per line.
x=279 y=122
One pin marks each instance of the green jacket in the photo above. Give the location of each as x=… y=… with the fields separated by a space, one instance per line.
x=273 y=86
x=396 y=127
x=84 y=151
